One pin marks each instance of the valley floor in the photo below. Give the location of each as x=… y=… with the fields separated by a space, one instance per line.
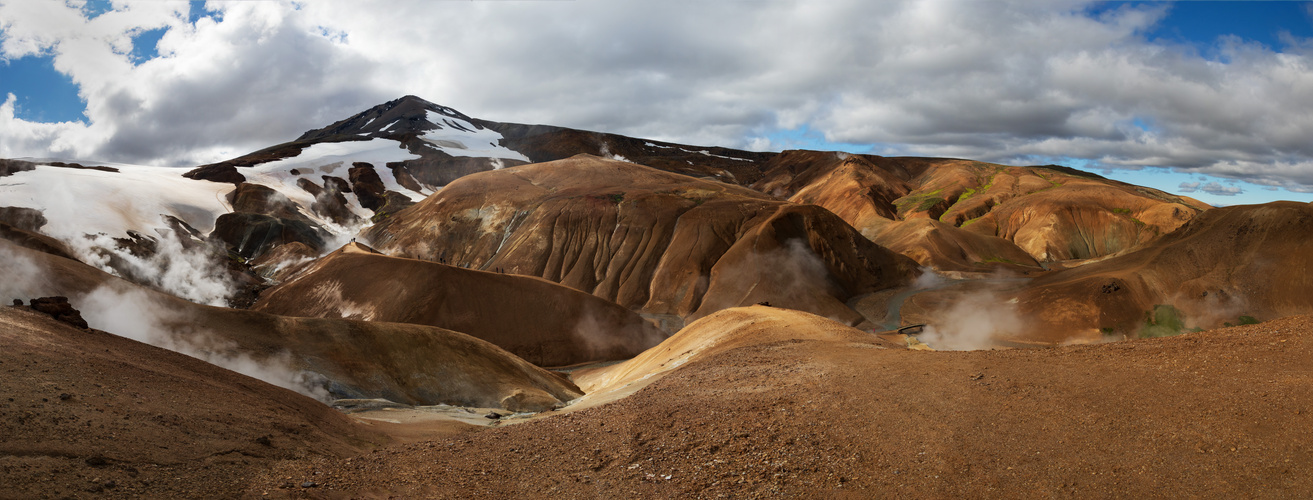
x=1213 y=414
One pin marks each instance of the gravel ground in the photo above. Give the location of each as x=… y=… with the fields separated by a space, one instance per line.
x=1214 y=414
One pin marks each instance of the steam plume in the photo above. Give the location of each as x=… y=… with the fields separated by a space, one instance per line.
x=973 y=322
x=135 y=315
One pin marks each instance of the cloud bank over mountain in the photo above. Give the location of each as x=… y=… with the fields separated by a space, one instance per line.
x=1015 y=82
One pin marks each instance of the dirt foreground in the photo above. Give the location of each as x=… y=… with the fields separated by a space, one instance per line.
x=88 y=414
x=1214 y=414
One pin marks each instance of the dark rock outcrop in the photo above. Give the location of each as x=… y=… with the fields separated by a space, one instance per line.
x=250 y=235
x=27 y=219
x=60 y=309
x=219 y=172
x=373 y=194
x=10 y=167
x=330 y=202
x=259 y=199
x=367 y=186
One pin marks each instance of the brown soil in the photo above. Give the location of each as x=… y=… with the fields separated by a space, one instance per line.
x=86 y=413
x=1213 y=414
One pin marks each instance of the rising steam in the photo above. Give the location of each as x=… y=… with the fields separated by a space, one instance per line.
x=193 y=274
x=973 y=322
x=791 y=276
x=22 y=279
x=602 y=340
x=605 y=152
x=134 y=314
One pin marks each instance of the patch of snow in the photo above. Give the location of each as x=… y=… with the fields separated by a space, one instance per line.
x=458 y=137
x=708 y=153
x=650 y=145
x=328 y=157
x=77 y=202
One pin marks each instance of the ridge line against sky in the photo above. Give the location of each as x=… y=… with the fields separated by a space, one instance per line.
x=1208 y=99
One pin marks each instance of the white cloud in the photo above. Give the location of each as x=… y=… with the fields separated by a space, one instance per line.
x=1213 y=188
x=1016 y=81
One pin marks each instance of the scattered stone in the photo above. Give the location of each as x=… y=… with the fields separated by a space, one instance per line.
x=18 y=302
x=97 y=461
x=264 y=440
x=309 y=484
x=65 y=396
x=493 y=415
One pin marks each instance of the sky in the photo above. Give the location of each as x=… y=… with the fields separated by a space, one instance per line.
x=1208 y=99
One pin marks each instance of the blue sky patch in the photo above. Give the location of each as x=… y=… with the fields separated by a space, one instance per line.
x=196 y=11
x=94 y=8
x=144 y=45
x=1202 y=23
x=44 y=94
x=805 y=138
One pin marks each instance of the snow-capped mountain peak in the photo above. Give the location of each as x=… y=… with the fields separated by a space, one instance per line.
x=407 y=115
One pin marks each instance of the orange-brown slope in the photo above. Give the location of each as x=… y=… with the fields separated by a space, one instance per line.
x=722 y=331
x=1244 y=260
x=88 y=412
x=650 y=240
x=1212 y=415
x=411 y=364
x=1051 y=213
x=535 y=319
x=947 y=248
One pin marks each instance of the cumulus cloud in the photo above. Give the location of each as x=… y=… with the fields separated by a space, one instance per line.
x=1013 y=82
x=1213 y=188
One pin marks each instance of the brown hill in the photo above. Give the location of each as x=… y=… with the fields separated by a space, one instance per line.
x=1051 y=213
x=1211 y=415
x=649 y=240
x=1228 y=262
x=719 y=332
x=947 y=248
x=535 y=319
x=87 y=412
x=335 y=358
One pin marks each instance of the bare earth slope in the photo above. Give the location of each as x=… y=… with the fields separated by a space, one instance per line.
x=722 y=331
x=988 y=214
x=535 y=319
x=411 y=364
x=649 y=240
x=1244 y=260
x=1215 y=414
x=87 y=412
